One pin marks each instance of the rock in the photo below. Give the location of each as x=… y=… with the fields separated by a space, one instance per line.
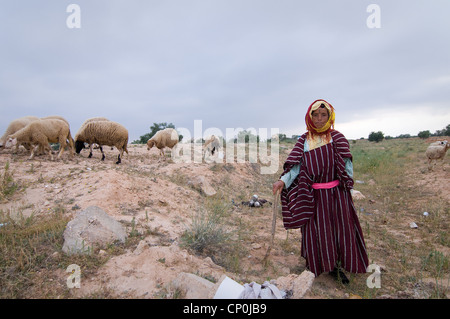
x=357 y=194
x=200 y=183
x=298 y=284
x=140 y=247
x=193 y=286
x=256 y=246
x=413 y=225
x=91 y=227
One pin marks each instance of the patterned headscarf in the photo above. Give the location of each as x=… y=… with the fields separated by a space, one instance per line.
x=328 y=126
x=322 y=132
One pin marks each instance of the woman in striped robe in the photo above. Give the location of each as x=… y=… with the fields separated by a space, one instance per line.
x=316 y=187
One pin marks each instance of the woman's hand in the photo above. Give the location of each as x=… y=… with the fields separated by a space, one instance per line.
x=278 y=186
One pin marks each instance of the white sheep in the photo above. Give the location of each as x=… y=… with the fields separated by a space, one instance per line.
x=42 y=132
x=436 y=151
x=212 y=145
x=103 y=133
x=167 y=137
x=57 y=117
x=15 y=126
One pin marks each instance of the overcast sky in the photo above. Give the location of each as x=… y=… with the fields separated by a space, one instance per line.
x=229 y=63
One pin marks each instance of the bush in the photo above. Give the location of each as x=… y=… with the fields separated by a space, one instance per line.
x=206 y=234
x=424 y=134
x=7 y=184
x=376 y=136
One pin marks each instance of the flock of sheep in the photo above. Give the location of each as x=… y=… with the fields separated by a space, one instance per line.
x=36 y=134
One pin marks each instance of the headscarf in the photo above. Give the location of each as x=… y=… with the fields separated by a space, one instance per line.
x=319 y=136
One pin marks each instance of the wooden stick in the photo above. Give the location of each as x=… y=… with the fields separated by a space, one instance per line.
x=274 y=222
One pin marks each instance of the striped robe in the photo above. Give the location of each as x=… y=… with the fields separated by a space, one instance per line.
x=327 y=218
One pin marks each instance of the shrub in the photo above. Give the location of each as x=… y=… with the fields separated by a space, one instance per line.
x=424 y=134
x=7 y=184
x=206 y=233
x=376 y=136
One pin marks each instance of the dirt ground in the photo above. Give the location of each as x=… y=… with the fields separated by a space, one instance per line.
x=153 y=194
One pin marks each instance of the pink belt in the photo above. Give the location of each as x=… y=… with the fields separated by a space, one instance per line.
x=325 y=185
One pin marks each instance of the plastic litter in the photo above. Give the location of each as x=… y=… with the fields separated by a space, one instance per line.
x=228 y=289
x=267 y=290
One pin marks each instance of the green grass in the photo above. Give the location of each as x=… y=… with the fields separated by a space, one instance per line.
x=389 y=171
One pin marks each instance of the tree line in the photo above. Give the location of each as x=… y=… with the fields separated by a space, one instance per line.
x=379 y=136
x=373 y=136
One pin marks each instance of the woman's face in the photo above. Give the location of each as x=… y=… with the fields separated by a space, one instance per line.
x=320 y=117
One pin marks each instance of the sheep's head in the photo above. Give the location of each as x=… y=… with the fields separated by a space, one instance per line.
x=10 y=142
x=79 y=145
x=445 y=144
x=150 y=144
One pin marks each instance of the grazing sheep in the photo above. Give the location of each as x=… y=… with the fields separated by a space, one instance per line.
x=103 y=133
x=95 y=119
x=162 y=139
x=42 y=132
x=212 y=145
x=436 y=151
x=15 y=126
x=57 y=117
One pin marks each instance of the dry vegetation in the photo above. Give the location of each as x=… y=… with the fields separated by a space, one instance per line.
x=174 y=227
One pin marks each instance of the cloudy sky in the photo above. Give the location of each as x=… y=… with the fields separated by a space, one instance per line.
x=229 y=63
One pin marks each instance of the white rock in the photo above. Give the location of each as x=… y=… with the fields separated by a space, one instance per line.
x=91 y=227
x=298 y=284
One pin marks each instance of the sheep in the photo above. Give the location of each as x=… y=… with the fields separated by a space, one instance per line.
x=42 y=132
x=212 y=145
x=58 y=118
x=167 y=137
x=103 y=133
x=436 y=151
x=94 y=119
x=15 y=126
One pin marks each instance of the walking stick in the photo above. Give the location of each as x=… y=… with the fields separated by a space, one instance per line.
x=274 y=222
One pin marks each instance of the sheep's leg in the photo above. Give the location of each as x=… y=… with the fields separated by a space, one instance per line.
x=119 y=157
x=62 y=145
x=31 y=153
x=47 y=147
x=91 y=146
x=103 y=154
x=443 y=164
